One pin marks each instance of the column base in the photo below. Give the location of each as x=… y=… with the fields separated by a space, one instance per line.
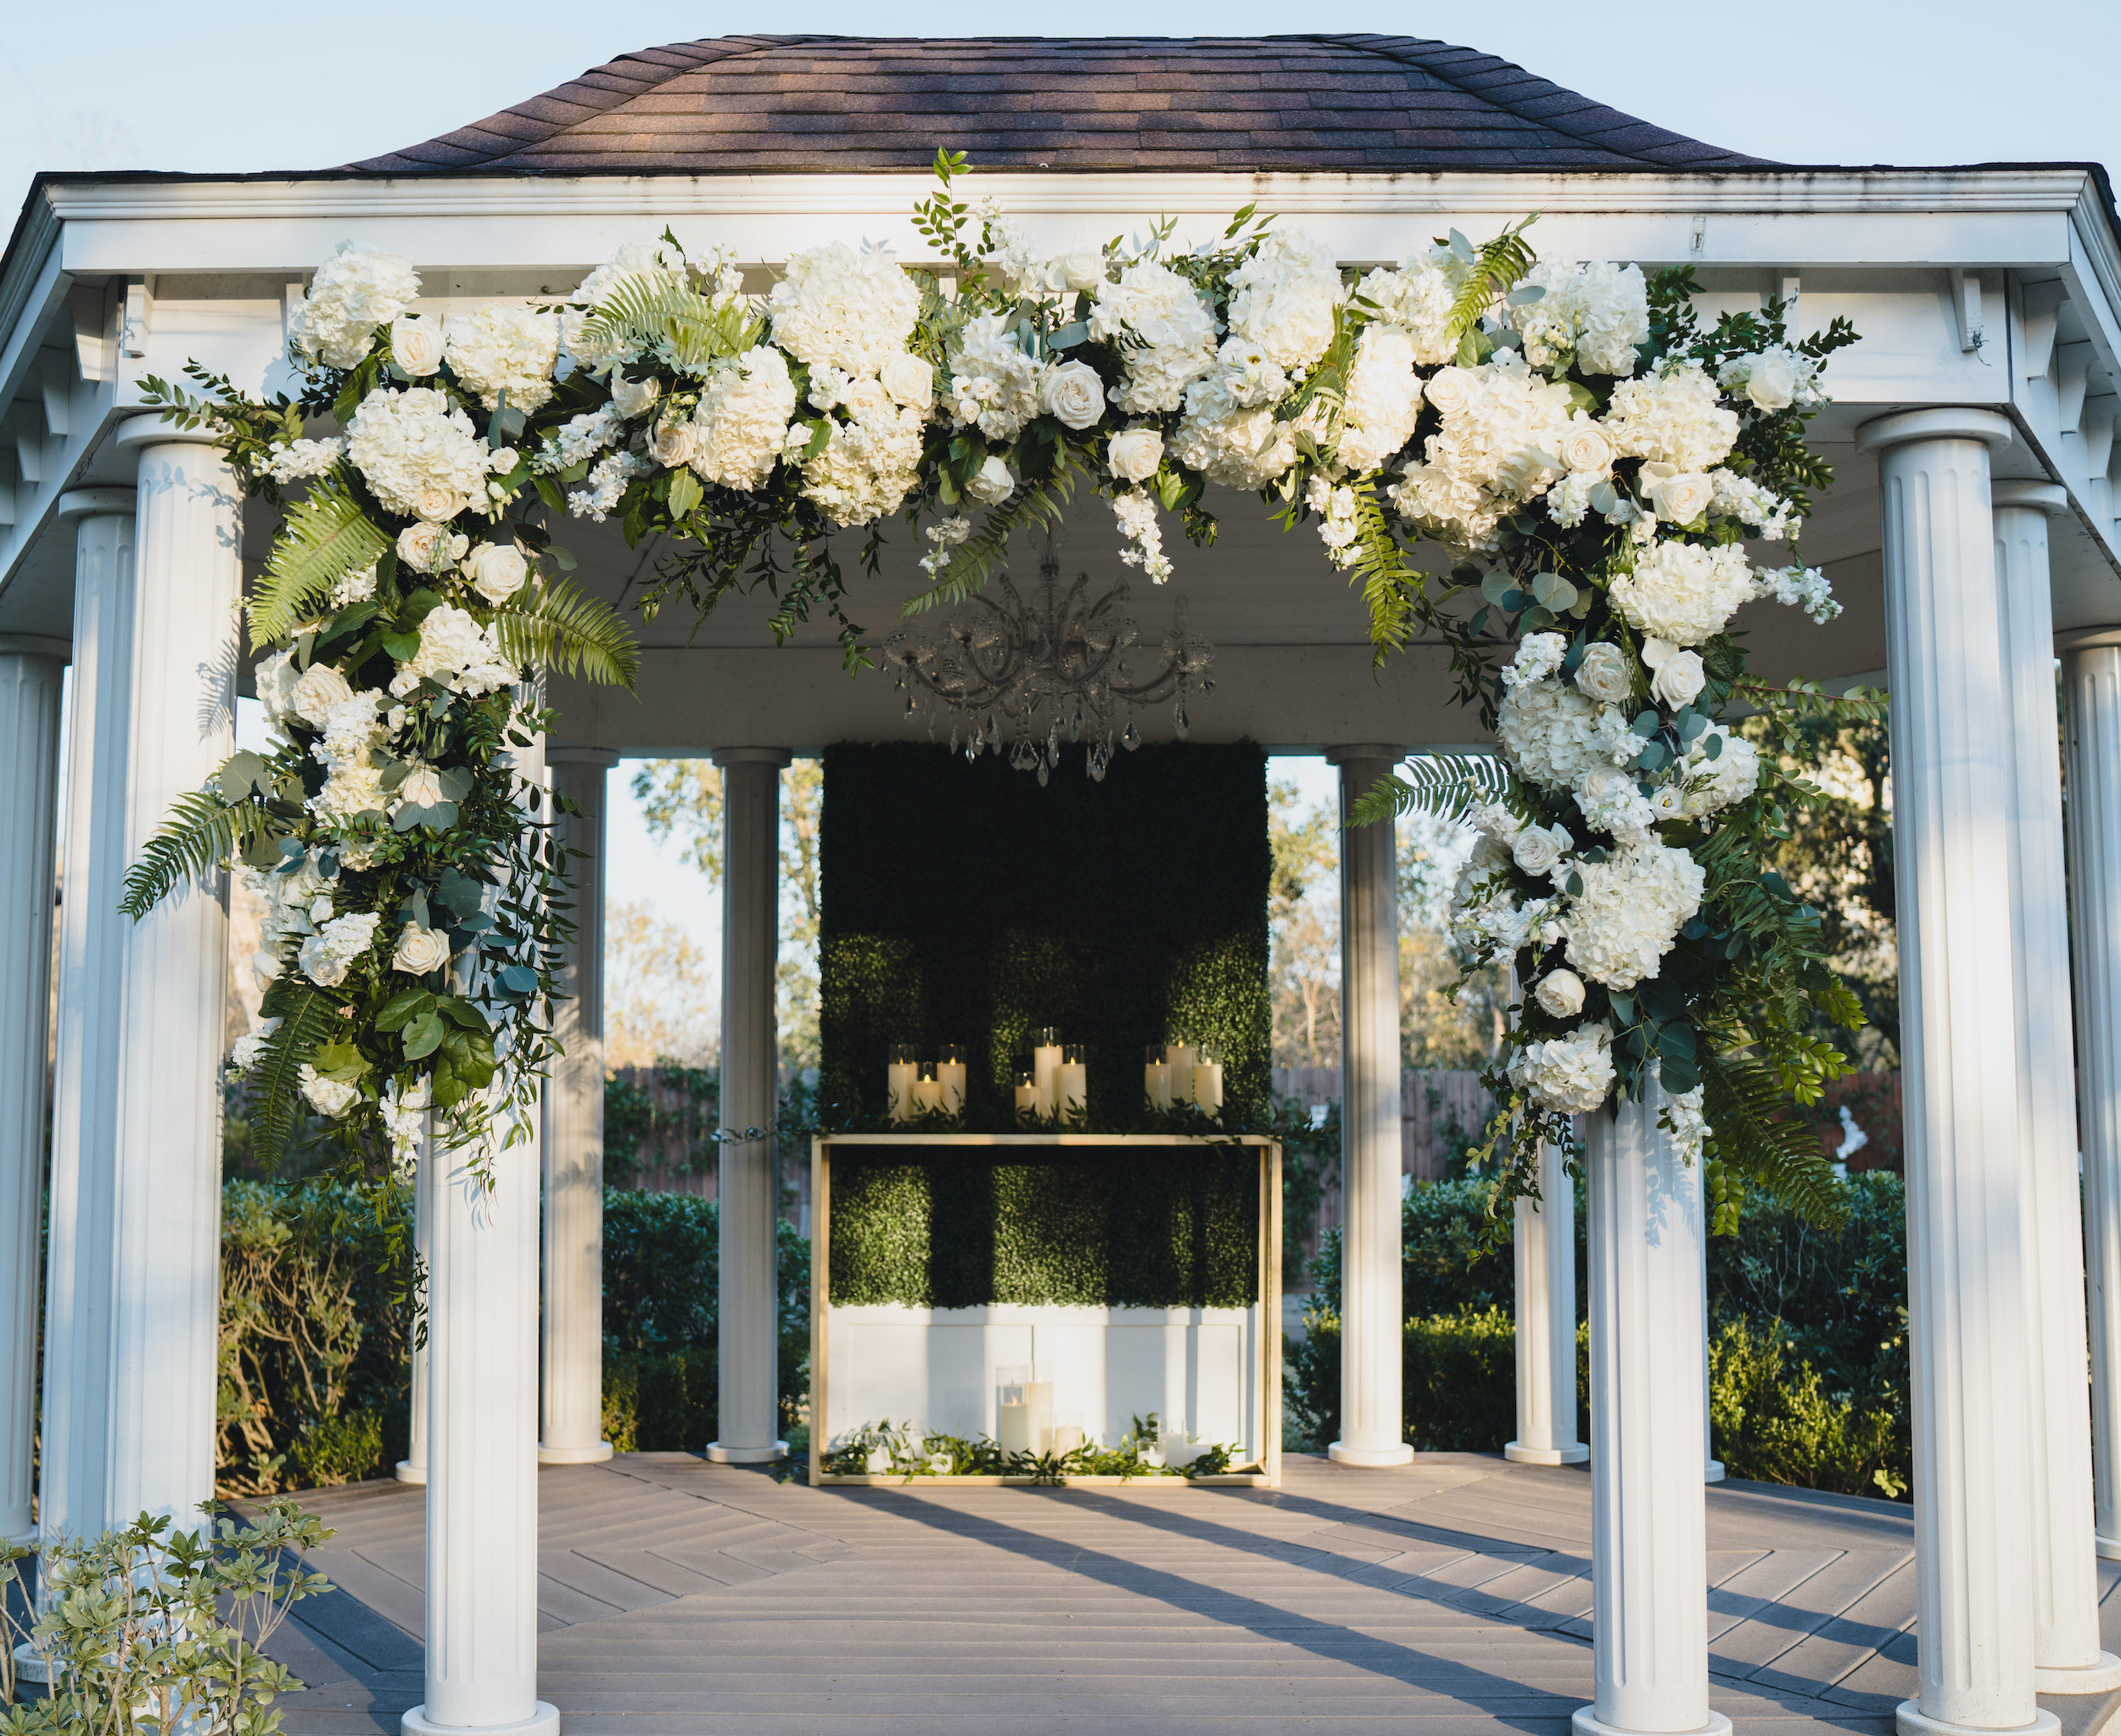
x=543 y=1721
x=2107 y=1548
x=408 y=1472
x=1713 y=1472
x=1584 y=1721
x=1518 y=1453
x=29 y=1667
x=2100 y=1678
x=596 y=1455
x=718 y=1455
x=1370 y=1456
x=1910 y=1720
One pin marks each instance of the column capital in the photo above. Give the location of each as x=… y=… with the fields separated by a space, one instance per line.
x=2049 y=497
x=751 y=756
x=97 y=503
x=36 y=645
x=2086 y=639
x=1941 y=422
x=1367 y=750
x=150 y=430
x=581 y=756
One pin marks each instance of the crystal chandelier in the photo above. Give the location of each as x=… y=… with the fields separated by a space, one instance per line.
x=1058 y=665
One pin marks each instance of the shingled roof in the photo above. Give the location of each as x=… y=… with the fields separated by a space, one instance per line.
x=1363 y=104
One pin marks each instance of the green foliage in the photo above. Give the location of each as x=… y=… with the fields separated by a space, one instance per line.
x=1449 y=787
x=1773 y=1422
x=959 y=1227
x=1743 y=1100
x=673 y=321
x=202 y=832
x=662 y=1403
x=327 y=536
x=895 y=1449
x=960 y=903
x=558 y=627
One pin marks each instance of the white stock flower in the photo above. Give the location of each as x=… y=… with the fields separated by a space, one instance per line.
x=416 y=345
x=1802 y=587
x=1672 y=416
x=406 y=443
x=331 y=1098
x=580 y=439
x=1739 y=497
x=991 y=483
x=420 y=950
x=1163 y=329
x=1135 y=454
x=741 y=427
x=497 y=570
x=607 y=481
x=1631 y=910
x=1072 y=394
x=1284 y=297
x=317 y=693
x=1681 y=1116
x=358 y=288
x=327 y=955
x=1383 y=398
x=303 y=459
x=1560 y=993
x=1683 y=592
x=405 y=1121
x=1603 y=673
x=1570 y=1075
x=838 y=308
x=1136 y=511
x=504 y=347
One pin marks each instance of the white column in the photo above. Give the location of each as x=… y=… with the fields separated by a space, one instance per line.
x=2066 y=1656
x=412 y=1468
x=1649 y=1548
x=32 y=670
x=1953 y=769
x=1373 y=1313
x=572 y=1415
x=73 y=1488
x=482 y=1498
x=2092 y=691
x=748 y=1325
x=166 y=1223
x=1545 y=1246
x=1713 y=1472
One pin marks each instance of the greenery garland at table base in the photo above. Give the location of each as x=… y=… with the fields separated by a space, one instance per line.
x=898 y=1452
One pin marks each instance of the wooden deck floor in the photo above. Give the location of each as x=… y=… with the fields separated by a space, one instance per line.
x=695 y=1600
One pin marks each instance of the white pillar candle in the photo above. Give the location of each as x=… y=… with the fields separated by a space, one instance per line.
x=1071 y=1090
x=950 y=1071
x=1207 y=1087
x=1155 y=1079
x=927 y=1092
x=900 y=1073
x=1181 y=1058
x=1067 y=1438
x=1045 y=1063
x=1027 y=1092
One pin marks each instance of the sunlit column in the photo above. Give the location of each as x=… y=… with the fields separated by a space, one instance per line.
x=1544 y=1245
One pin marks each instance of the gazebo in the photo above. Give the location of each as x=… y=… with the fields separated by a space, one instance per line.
x=1971 y=533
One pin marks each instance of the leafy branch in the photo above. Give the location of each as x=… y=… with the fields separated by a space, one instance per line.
x=1449 y=788
x=202 y=832
x=327 y=536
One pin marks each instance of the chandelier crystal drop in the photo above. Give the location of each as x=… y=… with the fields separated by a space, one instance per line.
x=1060 y=665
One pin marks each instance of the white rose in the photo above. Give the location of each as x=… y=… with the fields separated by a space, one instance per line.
x=1603 y=673
x=990 y=483
x=1585 y=448
x=1679 y=679
x=1084 y=269
x=1135 y=455
x=672 y=444
x=434 y=505
x=1560 y=993
x=868 y=402
x=422 y=788
x=425 y=547
x=328 y=1097
x=1450 y=390
x=1536 y=849
x=1072 y=393
x=501 y=461
x=497 y=570
x=909 y=381
x=1682 y=497
x=1772 y=381
x=416 y=344
x=632 y=398
x=420 y=950
x=320 y=688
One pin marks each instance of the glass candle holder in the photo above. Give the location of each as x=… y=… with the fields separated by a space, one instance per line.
x=1026 y=1090
x=899 y=1074
x=1045 y=1063
x=1207 y=1081
x=1181 y=1053
x=1071 y=1084
x=927 y=1089
x=1023 y=1409
x=950 y=1070
x=1156 y=1079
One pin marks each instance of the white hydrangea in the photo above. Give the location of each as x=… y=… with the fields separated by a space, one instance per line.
x=1713 y=785
x=1611 y=803
x=1228 y=443
x=1554 y=735
x=1570 y=1075
x=410 y=443
x=1631 y=910
x=993 y=384
x=868 y=467
x=357 y=289
x=636 y=259
x=303 y=459
x=1417 y=300
x=504 y=347
x=1800 y=587
x=354 y=587
x=353 y=784
x=741 y=427
x=327 y=955
x=1673 y=418
x=608 y=479
x=457 y=652
x=1538 y=656
x=1284 y=296
x=1739 y=497
x=1683 y=592
x=838 y=308
x=1592 y=315
x=1382 y=400
x=1502 y=429
x=1163 y=327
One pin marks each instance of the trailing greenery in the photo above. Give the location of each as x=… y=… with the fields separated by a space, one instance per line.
x=961 y=903
x=953 y=1227
x=896 y=1449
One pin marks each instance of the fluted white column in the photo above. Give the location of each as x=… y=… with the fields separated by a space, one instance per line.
x=1953 y=769
x=2066 y=1656
x=2092 y=695
x=748 y=1334
x=32 y=670
x=412 y=1468
x=1649 y=1548
x=1544 y=1245
x=571 y=1420
x=73 y=1488
x=1373 y=1311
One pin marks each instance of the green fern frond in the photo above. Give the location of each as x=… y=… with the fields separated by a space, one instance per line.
x=327 y=536
x=1392 y=589
x=202 y=832
x=559 y=627
x=690 y=329
x=1498 y=265
x=1449 y=788
x=1743 y=1100
x=1036 y=507
x=306 y=1019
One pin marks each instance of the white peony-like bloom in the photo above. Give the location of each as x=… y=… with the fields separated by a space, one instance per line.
x=630 y=399
x=1593 y=315
x=420 y=950
x=1072 y=395
x=1773 y=379
x=1417 y=298
x=1164 y=328
x=1538 y=849
x=1604 y=674
x=497 y=570
x=741 y=428
x=1570 y=1075
x=503 y=347
x=1554 y=735
x=838 y=308
x=407 y=443
x=1134 y=454
x=331 y=1098
x=1383 y=398
x=991 y=483
x=416 y=345
x=1538 y=656
x=250 y=1048
x=1230 y=443
x=1679 y=676
x=357 y=289
x=328 y=955
x=316 y=693
x=1713 y=785
x=1631 y=910
x=430 y=548
x=1560 y=993
x=1683 y=592
x=994 y=384
x=1673 y=418
x=1284 y=296
x=1678 y=496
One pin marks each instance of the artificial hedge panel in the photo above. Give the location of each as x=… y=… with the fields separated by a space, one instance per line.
x=963 y=902
x=1120 y=1226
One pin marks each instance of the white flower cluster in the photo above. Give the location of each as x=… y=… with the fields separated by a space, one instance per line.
x=581 y=437
x=1136 y=510
x=418 y=457
x=358 y=288
x=741 y=428
x=608 y=479
x=1554 y=734
x=1383 y=398
x=302 y=459
x=1775 y=378
x=1631 y=910
x=994 y=384
x=869 y=465
x=1683 y=592
x=1571 y=1074
x=1800 y=587
x=1228 y=440
x=327 y=954
x=837 y=308
x=458 y=653
x=1164 y=329
x=500 y=349
x=1417 y=300
x=1500 y=444
x=1672 y=416
x=1593 y=316
x=637 y=260
x=353 y=784
x=1285 y=299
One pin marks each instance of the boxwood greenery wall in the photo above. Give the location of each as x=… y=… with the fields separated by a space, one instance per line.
x=963 y=902
x=1122 y=1226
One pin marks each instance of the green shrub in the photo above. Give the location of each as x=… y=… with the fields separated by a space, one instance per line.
x=660 y=1404
x=1772 y=1423
x=1458 y=1380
